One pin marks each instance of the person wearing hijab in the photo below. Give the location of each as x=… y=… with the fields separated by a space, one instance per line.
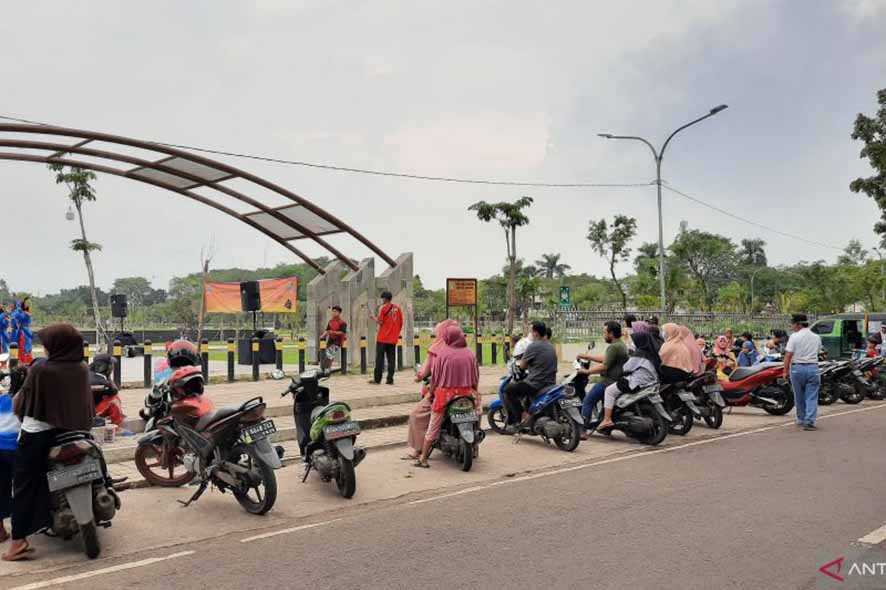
x=722 y=352
x=640 y=371
x=677 y=363
x=748 y=357
x=637 y=327
x=420 y=417
x=55 y=398
x=455 y=374
x=695 y=352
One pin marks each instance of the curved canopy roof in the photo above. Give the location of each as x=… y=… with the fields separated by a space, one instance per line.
x=202 y=179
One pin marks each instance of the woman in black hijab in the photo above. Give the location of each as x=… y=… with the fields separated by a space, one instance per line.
x=54 y=398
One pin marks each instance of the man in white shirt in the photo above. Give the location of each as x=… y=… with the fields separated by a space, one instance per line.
x=801 y=367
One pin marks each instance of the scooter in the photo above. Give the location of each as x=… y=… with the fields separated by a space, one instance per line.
x=329 y=446
x=842 y=380
x=640 y=415
x=554 y=415
x=762 y=386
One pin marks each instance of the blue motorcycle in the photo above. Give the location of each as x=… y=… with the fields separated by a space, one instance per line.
x=554 y=415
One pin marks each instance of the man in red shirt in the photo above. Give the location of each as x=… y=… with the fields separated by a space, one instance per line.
x=390 y=322
x=335 y=335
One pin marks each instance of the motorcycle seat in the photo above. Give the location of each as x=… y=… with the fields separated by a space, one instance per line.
x=745 y=372
x=547 y=390
x=214 y=416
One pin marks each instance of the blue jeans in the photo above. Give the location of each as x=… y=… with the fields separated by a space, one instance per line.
x=590 y=400
x=806 y=382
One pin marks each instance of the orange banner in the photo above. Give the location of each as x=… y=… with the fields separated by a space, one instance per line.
x=277 y=296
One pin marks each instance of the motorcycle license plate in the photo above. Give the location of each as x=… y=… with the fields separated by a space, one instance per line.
x=74 y=475
x=712 y=388
x=570 y=403
x=342 y=430
x=463 y=418
x=258 y=431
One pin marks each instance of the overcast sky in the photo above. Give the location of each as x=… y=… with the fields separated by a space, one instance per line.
x=504 y=90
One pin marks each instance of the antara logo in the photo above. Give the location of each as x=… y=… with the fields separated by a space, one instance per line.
x=832 y=569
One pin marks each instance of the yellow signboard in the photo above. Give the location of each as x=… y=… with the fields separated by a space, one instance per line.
x=461 y=292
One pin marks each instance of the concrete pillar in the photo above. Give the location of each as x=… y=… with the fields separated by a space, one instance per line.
x=358 y=287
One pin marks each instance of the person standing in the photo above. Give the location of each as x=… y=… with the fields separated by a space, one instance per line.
x=9 y=427
x=4 y=330
x=801 y=367
x=390 y=322
x=25 y=339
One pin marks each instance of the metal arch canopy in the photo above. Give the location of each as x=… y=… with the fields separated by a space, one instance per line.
x=181 y=172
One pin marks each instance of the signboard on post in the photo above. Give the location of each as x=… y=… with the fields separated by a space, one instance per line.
x=565 y=297
x=462 y=293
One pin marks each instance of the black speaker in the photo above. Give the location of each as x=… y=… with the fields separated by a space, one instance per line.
x=119 y=307
x=250 y=296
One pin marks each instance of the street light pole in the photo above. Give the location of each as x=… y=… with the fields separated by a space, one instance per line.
x=658 y=156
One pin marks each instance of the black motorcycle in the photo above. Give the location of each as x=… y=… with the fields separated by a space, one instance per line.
x=841 y=380
x=460 y=433
x=640 y=415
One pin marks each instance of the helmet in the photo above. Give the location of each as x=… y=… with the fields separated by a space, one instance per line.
x=186 y=382
x=103 y=364
x=182 y=353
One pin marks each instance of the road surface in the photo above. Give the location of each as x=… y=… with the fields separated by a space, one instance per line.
x=757 y=508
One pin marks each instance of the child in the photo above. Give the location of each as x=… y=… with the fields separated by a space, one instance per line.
x=335 y=335
x=9 y=426
x=748 y=357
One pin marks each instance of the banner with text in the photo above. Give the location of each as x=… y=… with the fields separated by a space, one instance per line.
x=277 y=296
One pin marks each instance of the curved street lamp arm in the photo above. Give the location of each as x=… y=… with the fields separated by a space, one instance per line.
x=713 y=112
x=634 y=137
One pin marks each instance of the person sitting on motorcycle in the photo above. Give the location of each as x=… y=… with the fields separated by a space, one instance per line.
x=748 y=357
x=180 y=353
x=420 y=416
x=774 y=347
x=105 y=391
x=609 y=367
x=540 y=363
x=55 y=398
x=724 y=356
x=639 y=372
x=696 y=352
x=455 y=374
x=677 y=364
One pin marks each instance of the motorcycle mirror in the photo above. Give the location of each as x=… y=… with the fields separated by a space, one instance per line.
x=592 y=345
x=278 y=374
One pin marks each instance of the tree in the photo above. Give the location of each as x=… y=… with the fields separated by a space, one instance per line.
x=80 y=191
x=613 y=245
x=205 y=260
x=709 y=258
x=872 y=131
x=752 y=252
x=853 y=254
x=549 y=266
x=509 y=216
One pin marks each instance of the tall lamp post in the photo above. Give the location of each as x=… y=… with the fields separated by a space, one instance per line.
x=658 y=155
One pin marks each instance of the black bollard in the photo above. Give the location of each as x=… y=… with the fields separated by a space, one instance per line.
x=148 y=354
x=118 y=365
x=344 y=358
x=13 y=356
x=231 y=350
x=204 y=359
x=494 y=350
x=479 y=347
x=400 y=353
x=256 y=357
x=278 y=349
x=362 y=355
x=417 y=348
x=301 y=354
x=506 y=350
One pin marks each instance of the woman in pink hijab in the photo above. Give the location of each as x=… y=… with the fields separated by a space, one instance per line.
x=725 y=357
x=420 y=416
x=455 y=374
x=695 y=352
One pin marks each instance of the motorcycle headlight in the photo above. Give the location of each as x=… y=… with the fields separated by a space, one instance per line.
x=569 y=391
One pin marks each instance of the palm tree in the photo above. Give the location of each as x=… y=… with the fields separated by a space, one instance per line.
x=80 y=191
x=549 y=266
x=752 y=252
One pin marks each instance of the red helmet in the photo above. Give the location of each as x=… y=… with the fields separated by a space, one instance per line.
x=186 y=382
x=182 y=353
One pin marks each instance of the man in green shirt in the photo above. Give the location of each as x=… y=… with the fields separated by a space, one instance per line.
x=609 y=367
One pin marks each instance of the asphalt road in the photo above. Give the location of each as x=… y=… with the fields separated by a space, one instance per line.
x=757 y=509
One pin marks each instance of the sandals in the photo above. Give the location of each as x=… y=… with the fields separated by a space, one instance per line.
x=409 y=458
x=422 y=465
x=19 y=555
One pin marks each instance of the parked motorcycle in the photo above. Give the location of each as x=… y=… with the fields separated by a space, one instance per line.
x=869 y=368
x=227 y=448
x=161 y=460
x=681 y=405
x=640 y=415
x=709 y=398
x=554 y=415
x=331 y=448
x=842 y=380
x=762 y=386
x=81 y=493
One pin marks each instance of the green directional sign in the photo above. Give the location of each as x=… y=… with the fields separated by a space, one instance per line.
x=565 y=297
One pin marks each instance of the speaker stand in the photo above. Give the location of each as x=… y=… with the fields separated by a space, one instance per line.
x=254 y=323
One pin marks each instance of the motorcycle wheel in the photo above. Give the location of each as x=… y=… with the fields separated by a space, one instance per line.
x=262 y=503
x=828 y=394
x=346 y=480
x=783 y=407
x=715 y=420
x=852 y=395
x=659 y=424
x=466 y=450
x=569 y=442
x=683 y=424
x=91 y=546
x=876 y=393
x=158 y=463
x=497 y=420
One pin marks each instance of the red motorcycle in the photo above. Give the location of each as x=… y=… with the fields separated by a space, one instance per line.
x=762 y=386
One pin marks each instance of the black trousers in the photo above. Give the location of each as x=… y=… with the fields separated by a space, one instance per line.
x=515 y=393
x=385 y=351
x=7 y=461
x=30 y=500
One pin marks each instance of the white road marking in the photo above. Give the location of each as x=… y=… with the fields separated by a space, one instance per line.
x=874 y=537
x=287 y=531
x=107 y=570
x=636 y=455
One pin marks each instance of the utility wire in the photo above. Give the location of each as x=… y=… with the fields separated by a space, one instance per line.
x=745 y=220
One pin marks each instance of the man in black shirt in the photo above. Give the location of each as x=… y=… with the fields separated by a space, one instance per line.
x=540 y=363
